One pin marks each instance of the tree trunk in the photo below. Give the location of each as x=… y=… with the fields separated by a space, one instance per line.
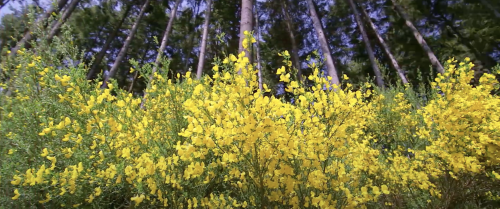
x=420 y=39
x=378 y=75
x=165 y=39
x=57 y=25
x=257 y=48
x=125 y=46
x=332 y=72
x=107 y=44
x=245 y=25
x=162 y=47
x=295 y=49
x=203 y=46
x=385 y=47
x=189 y=43
x=3 y=3
x=27 y=35
x=488 y=5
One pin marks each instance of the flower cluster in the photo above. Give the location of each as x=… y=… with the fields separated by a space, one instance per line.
x=219 y=142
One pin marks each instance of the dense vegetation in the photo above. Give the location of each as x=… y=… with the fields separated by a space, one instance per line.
x=293 y=104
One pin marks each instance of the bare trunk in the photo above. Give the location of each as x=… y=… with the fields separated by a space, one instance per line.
x=245 y=25
x=488 y=5
x=3 y=3
x=295 y=49
x=257 y=48
x=203 y=46
x=385 y=47
x=162 y=47
x=165 y=39
x=190 y=40
x=107 y=44
x=420 y=39
x=67 y=13
x=27 y=35
x=125 y=46
x=378 y=75
x=332 y=72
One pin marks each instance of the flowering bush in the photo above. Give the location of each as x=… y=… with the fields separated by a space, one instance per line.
x=219 y=143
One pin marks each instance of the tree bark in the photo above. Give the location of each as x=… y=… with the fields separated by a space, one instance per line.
x=27 y=35
x=332 y=72
x=125 y=46
x=189 y=43
x=245 y=25
x=107 y=44
x=295 y=49
x=201 y=61
x=3 y=3
x=385 y=47
x=67 y=13
x=257 y=48
x=165 y=39
x=488 y=5
x=378 y=75
x=420 y=39
x=162 y=47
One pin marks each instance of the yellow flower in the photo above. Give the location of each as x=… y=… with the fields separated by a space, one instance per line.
x=17 y=180
x=11 y=151
x=45 y=152
x=16 y=194
x=120 y=103
x=497 y=176
x=233 y=58
x=385 y=190
x=63 y=191
x=137 y=199
x=98 y=191
x=281 y=70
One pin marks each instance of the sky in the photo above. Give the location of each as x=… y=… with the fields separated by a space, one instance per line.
x=17 y=5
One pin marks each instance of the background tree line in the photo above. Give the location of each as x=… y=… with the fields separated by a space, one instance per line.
x=385 y=41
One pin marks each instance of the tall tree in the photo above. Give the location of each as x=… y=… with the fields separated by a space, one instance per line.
x=27 y=35
x=420 y=39
x=245 y=25
x=125 y=46
x=3 y=3
x=257 y=48
x=67 y=12
x=165 y=38
x=163 y=44
x=291 y=33
x=98 y=59
x=332 y=72
x=201 y=59
x=378 y=75
x=385 y=47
